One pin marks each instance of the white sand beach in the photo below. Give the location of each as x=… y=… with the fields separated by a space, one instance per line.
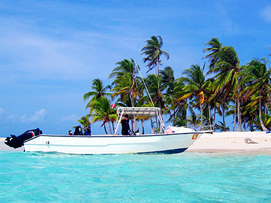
x=233 y=142
x=218 y=142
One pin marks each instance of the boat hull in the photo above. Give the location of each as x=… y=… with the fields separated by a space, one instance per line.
x=166 y=143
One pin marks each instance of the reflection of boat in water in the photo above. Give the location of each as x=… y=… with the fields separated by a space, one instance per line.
x=173 y=140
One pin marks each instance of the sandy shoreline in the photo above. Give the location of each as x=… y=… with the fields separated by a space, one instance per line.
x=220 y=142
x=233 y=142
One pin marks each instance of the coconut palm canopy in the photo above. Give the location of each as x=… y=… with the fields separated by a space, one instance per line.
x=222 y=87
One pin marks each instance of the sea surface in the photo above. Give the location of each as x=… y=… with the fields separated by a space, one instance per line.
x=186 y=177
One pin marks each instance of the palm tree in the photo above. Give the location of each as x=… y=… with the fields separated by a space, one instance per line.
x=153 y=53
x=195 y=86
x=221 y=127
x=153 y=82
x=103 y=112
x=194 y=120
x=98 y=91
x=257 y=79
x=126 y=83
x=142 y=118
x=177 y=108
x=124 y=66
x=210 y=100
x=168 y=81
x=215 y=49
x=126 y=88
x=227 y=79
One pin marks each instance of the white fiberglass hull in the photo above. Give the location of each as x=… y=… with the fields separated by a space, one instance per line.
x=166 y=143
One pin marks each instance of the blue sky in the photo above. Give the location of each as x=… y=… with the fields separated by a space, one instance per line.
x=51 y=50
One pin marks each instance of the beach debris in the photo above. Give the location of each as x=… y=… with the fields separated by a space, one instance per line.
x=249 y=141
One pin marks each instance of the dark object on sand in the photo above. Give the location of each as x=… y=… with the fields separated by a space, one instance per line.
x=17 y=142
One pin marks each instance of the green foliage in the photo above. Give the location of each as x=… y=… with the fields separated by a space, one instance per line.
x=102 y=111
x=84 y=121
x=153 y=53
x=221 y=127
x=243 y=91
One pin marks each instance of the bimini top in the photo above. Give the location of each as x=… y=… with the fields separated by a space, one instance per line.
x=148 y=111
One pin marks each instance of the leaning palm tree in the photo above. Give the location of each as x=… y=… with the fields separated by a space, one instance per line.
x=126 y=88
x=227 y=71
x=153 y=53
x=98 y=91
x=102 y=111
x=123 y=67
x=153 y=83
x=195 y=86
x=257 y=78
x=211 y=101
x=168 y=81
x=215 y=49
x=126 y=82
x=178 y=108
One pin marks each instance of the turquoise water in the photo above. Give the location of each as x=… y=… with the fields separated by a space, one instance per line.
x=186 y=177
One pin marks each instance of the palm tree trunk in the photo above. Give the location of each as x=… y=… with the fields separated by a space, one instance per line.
x=239 y=117
x=223 y=115
x=210 y=116
x=105 y=130
x=214 y=120
x=132 y=100
x=110 y=127
x=113 y=126
x=186 y=115
x=260 y=112
x=201 y=120
x=234 y=116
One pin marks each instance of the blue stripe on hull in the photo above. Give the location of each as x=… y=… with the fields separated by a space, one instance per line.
x=170 y=151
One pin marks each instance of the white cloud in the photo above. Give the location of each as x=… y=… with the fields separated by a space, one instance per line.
x=40 y=55
x=266 y=13
x=72 y=117
x=12 y=118
x=38 y=116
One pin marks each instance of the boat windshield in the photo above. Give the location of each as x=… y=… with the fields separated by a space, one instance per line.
x=145 y=111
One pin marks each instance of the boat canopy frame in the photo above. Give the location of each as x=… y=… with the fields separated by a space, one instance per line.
x=145 y=111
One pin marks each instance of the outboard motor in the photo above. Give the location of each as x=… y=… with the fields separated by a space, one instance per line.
x=17 y=142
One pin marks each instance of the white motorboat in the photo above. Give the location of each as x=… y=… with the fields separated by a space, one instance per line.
x=171 y=140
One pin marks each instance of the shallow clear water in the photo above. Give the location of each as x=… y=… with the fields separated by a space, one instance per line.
x=186 y=177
